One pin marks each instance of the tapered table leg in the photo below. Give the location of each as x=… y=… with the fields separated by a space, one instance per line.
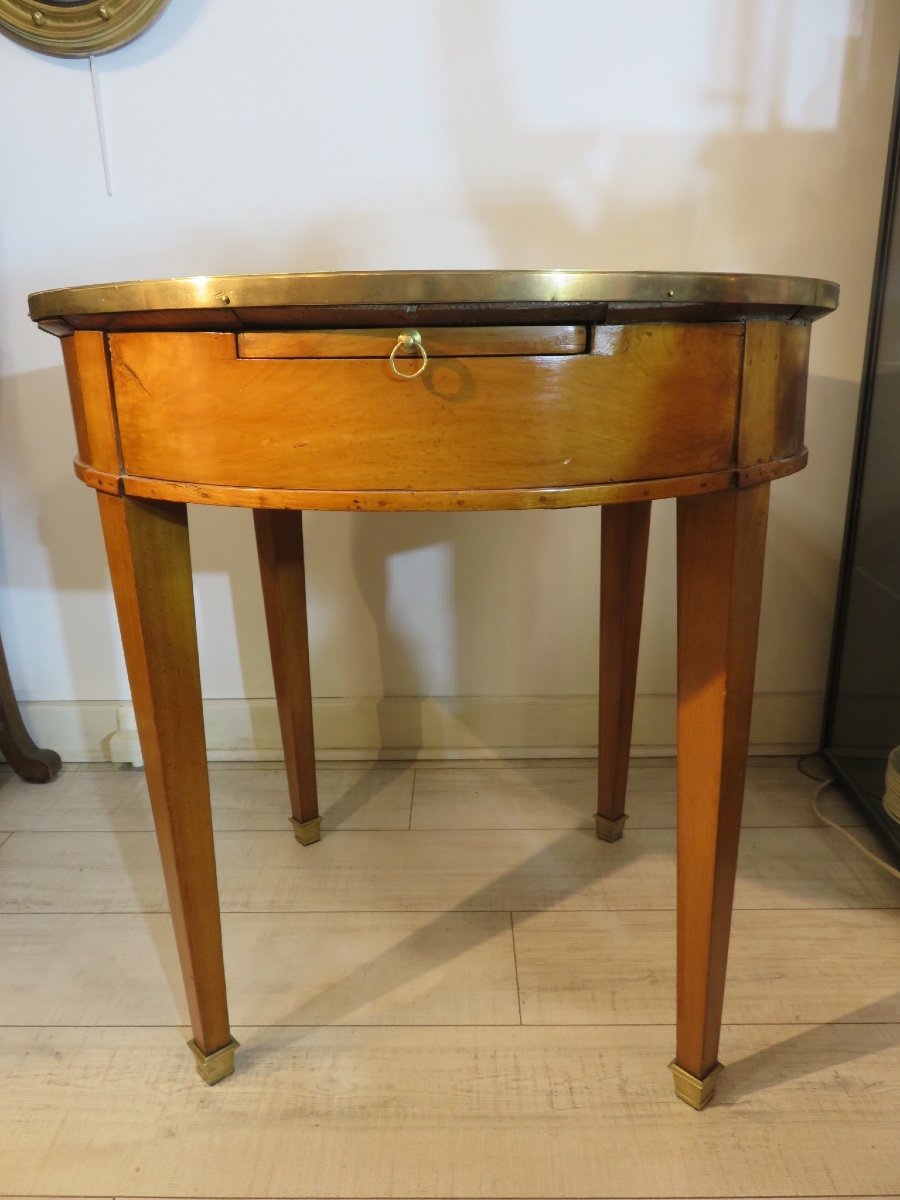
x=28 y=761
x=625 y=530
x=279 y=543
x=149 y=559
x=721 y=543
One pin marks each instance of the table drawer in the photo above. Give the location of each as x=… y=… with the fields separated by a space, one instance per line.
x=646 y=402
x=477 y=342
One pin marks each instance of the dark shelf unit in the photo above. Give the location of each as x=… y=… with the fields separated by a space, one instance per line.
x=862 y=709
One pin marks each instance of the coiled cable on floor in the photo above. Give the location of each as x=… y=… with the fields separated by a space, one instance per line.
x=891 y=800
x=820 y=790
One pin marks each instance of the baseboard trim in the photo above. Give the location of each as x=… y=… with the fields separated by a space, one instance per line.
x=444 y=727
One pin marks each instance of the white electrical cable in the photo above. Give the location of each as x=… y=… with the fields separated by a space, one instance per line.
x=891 y=799
x=101 y=126
x=856 y=842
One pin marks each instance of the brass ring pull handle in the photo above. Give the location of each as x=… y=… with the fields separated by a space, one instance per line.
x=410 y=342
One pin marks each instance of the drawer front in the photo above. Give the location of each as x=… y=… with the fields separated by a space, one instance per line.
x=647 y=402
x=479 y=342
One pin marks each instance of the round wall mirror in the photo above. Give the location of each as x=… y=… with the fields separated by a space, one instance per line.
x=77 y=28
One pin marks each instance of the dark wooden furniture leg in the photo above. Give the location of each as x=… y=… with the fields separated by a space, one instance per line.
x=149 y=559
x=26 y=759
x=624 y=532
x=721 y=543
x=279 y=543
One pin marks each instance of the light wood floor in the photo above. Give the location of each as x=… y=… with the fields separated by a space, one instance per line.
x=460 y=992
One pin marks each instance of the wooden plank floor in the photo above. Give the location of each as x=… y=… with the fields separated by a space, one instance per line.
x=460 y=992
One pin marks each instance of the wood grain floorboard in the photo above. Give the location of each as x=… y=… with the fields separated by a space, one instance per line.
x=457 y=968
x=117 y=801
x=291 y=969
x=356 y=1112
x=376 y=981
x=564 y=797
x=611 y=968
x=378 y=796
x=429 y=870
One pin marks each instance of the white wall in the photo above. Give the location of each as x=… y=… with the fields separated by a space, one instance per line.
x=722 y=135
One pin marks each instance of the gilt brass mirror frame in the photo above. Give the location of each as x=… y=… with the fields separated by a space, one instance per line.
x=77 y=28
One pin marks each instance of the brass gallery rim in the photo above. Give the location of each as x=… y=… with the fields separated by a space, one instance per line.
x=412 y=288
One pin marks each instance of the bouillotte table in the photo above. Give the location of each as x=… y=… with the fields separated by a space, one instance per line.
x=450 y=391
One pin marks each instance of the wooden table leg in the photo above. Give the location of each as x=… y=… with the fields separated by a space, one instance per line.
x=624 y=533
x=721 y=543
x=279 y=543
x=28 y=761
x=149 y=559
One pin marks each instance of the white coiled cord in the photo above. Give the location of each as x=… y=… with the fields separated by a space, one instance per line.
x=891 y=800
x=823 y=787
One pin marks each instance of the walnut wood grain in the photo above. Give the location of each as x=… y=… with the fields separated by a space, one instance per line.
x=625 y=530
x=149 y=560
x=288 y=406
x=661 y=403
x=279 y=543
x=93 y=407
x=471 y=499
x=439 y=342
x=721 y=542
x=773 y=392
x=421 y=499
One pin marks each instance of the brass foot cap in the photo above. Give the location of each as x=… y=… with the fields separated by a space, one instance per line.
x=307 y=832
x=216 y=1066
x=693 y=1091
x=610 y=831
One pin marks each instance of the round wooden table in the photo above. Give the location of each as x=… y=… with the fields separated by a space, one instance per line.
x=444 y=391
